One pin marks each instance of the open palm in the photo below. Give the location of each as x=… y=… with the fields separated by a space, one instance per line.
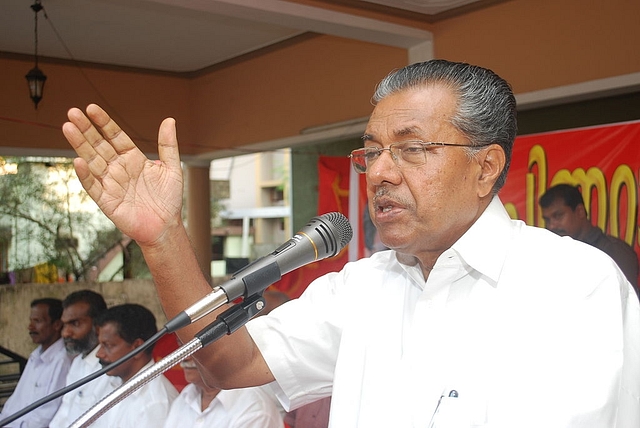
x=142 y=197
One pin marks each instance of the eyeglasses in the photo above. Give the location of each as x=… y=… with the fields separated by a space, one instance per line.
x=405 y=153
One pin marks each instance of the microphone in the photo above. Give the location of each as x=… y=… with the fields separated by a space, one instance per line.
x=324 y=236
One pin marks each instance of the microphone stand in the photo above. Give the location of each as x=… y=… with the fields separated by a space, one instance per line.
x=226 y=323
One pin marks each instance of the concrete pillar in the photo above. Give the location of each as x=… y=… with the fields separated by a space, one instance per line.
x=199 y=213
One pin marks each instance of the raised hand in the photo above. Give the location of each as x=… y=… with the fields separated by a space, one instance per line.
x=142 y=197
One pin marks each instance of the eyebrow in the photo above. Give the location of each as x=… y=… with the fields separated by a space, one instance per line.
x=76 y=319
x=412 y=130
x=408 y=131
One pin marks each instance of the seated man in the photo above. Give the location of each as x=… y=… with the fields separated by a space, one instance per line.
x=80 y=338
x=46 y=369
x=201 y=405
x=123 y=328
x=564 y=214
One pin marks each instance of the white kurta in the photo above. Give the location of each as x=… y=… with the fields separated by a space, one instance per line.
x=147 y=407
x=245 y=407
x=44 y=374
x=75 y=403
x=530 y=330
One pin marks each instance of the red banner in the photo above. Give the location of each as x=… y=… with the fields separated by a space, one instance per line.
x=333 y=196
x=604 y=161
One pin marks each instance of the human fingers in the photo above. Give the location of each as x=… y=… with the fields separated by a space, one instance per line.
x=111 y=140
x=72 y=131
x=93 y=132
x=168 y=143
x=92 y=186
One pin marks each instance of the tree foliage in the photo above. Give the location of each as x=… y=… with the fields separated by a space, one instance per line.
x=48 y=218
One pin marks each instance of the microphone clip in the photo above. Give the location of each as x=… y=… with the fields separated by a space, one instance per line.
x=231 y=319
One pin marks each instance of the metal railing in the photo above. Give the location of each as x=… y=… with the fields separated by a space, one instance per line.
x=10 y=376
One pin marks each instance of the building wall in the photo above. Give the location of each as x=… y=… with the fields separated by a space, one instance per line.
x=540 y=44
x=156 y=97
x=241 y=173
x=534 y=44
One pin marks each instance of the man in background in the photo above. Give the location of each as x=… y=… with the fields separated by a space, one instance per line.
x=122 y=329
x=565 y=214
x=202 y=405
x=46 y=369
x=81 y=308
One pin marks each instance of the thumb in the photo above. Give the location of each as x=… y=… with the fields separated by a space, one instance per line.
x=168 y=143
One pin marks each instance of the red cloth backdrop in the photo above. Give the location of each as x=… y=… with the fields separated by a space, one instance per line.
x=333 y=196
x=165 y=346
x=603 y=160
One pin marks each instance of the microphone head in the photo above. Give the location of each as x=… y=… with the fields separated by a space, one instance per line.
x=324 y=236
x=332 y=233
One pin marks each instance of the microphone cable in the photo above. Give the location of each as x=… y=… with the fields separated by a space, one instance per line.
x=152 y=340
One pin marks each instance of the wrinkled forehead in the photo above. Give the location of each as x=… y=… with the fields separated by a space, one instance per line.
x=75 y=311
x=418 y=113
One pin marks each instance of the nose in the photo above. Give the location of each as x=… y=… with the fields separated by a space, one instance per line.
x=100 y=354
x=66 y=331
x=384 y=169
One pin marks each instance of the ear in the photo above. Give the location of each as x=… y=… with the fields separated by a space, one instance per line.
x=136 y=343
x=581 y=210
x=57 y=325
x=492 y=161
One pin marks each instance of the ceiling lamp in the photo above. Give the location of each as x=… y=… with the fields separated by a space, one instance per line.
x=35 y=77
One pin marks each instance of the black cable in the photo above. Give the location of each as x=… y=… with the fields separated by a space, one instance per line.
x=86 y=379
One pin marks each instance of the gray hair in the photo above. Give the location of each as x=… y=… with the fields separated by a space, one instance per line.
x=486 y=112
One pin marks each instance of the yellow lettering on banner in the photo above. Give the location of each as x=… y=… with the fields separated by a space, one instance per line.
x=511 y=210
x=623 y=177
x=608 y=200
x=538 y=157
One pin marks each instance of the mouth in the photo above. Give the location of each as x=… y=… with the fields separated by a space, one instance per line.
x=188 y=365
x=385 y=205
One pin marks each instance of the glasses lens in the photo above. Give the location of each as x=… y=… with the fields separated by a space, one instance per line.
x=358 y=161
x=412 y=153
x=362 y=158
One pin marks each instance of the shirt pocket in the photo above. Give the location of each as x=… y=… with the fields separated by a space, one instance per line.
x=456 y=411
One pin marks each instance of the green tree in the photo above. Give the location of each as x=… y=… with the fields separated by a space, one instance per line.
x=50 y=217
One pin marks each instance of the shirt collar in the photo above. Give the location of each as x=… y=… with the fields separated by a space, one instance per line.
x=593 y=236
x=485 y=245
x=226 y=399
x=50 y=353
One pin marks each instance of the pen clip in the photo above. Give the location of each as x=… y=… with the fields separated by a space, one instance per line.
x=452 y=394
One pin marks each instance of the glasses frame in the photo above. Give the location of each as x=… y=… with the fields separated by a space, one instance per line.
x=362 y=152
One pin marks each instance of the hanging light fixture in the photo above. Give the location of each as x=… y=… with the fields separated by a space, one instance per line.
x=35 y=77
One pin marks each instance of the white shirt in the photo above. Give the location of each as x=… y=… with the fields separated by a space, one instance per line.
x=44 y=373
x=530 y=329
x=146 y=407
x=235 y=408
x=75 y=403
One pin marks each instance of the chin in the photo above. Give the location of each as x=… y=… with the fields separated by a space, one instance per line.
x=392 y=240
